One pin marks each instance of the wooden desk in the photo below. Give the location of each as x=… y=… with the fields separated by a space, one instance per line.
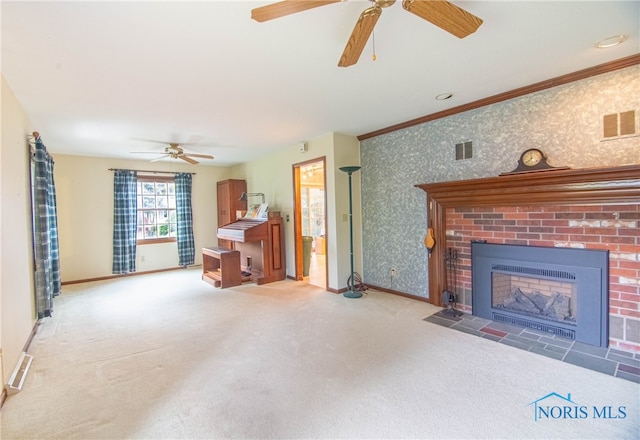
x=221 y=267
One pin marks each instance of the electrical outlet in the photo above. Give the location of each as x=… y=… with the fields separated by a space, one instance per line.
x=393 y=272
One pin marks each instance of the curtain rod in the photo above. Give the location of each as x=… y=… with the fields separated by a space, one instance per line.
x=33 y=138
x=154 y=172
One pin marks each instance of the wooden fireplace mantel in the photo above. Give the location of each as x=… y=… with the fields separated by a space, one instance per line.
x=587 y=186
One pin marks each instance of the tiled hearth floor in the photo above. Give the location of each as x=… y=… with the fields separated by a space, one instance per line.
x=609 y=361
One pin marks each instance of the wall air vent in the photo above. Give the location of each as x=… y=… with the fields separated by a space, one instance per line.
x=617 y=125
x=464 y=150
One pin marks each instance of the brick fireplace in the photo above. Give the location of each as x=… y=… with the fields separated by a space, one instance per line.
x=583 y=209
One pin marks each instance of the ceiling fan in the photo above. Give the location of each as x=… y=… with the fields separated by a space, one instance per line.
x=442 y=13
x=174 y=151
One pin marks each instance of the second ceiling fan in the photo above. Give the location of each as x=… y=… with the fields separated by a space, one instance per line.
x=175 y=151
x=441 y=13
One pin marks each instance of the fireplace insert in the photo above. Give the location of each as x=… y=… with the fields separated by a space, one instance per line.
x=561 y=291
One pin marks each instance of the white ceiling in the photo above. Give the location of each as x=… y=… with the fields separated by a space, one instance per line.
x=96 y=77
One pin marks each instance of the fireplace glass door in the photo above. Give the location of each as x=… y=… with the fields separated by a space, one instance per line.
x=544 y=298
x=561 y=291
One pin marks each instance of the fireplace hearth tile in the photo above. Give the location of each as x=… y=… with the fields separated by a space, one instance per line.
x=522 y=340
x=631 y=377
x=589 y=349
x=468 y=330
x=613 y=356
x=438 y=319
x=507 y=328
x=491 y=337
x=629 y=369
x=548 y=352
x=494 y=332
x=629 y=373
x=557 y=341
x=623 y=360
x=514 y=343
x=530 y=335
x=591 y=362
x=621 y=353
x=555 y=349
x=621 y=364
x=475 y=324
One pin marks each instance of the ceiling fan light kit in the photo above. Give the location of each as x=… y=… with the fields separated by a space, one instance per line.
x=441 y=13
x=174 y=151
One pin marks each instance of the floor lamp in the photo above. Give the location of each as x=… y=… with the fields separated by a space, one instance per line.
x=351 y=293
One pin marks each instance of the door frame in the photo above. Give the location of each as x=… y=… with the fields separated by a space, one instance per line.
x=297 y=217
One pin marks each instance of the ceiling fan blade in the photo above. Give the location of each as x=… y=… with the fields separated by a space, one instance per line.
x=155 y=159
x=203 y=156
x=143 y=152
x=286 y=7
x=359 y=36
x=445 y=15
x=188 y=159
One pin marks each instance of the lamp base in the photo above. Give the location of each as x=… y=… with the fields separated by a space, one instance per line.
x=352 y=294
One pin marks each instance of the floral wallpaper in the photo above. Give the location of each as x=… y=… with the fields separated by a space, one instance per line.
x=565 y=122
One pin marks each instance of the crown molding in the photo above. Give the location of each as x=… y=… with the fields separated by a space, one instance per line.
x=557 y=81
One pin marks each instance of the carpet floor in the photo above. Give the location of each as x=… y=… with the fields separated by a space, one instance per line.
x=166 y=355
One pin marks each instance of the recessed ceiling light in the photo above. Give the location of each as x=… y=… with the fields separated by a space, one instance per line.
x=611 y=41
x=443 y=96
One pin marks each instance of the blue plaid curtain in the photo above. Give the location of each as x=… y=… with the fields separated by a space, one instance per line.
x=125 y=216
x=45 y=231
x=184 y=216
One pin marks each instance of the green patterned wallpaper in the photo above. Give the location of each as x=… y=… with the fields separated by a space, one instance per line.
x=565 y=122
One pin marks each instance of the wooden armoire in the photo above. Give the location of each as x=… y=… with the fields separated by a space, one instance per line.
x=229 y=192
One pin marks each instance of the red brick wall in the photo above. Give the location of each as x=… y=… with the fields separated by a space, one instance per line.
x=612 y=227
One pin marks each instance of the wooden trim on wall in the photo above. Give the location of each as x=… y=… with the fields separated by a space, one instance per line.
x=557 y=81
x=398 y=293
x=132 y=274
x=588 y=186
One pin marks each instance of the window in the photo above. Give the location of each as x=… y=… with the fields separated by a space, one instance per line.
x=156 y=200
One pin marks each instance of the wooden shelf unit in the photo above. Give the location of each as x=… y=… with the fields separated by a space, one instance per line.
x=229 y=192
x=221 y=267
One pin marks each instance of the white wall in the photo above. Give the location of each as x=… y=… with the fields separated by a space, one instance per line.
x=84 y=187
x=347 y=153
x=17 y=303
x=273 y=176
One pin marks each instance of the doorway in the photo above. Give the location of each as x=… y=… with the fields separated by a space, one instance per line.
x=310 y=223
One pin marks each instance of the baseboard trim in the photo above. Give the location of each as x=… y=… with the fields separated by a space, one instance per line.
x=32 y=335
x=396 y=292
x=132 y=274
x=382 y=289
